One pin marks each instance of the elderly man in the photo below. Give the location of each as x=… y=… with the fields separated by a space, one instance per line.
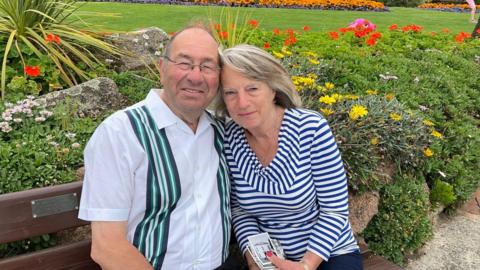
x=156 y=184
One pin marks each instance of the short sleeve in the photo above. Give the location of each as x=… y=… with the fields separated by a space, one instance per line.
x=111 y=158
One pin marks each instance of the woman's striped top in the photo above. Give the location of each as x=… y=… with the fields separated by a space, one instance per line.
x=301 y=197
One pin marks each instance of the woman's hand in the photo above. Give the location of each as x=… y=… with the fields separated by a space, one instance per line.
x=282 y=264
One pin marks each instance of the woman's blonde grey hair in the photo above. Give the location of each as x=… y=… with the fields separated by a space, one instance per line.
x=259 y=65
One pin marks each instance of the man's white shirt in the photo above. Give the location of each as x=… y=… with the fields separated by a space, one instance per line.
x=114 y=187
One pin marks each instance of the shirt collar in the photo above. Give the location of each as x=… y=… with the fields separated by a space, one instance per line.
x=164 y=117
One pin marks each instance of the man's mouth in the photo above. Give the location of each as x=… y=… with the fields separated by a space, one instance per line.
x=193 y=91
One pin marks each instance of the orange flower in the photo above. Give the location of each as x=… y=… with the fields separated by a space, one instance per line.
x=276 y=32
x=376 y=35
x=306 y=28
x=32 y=71
x=217 y=27
x=266 y=45
x=52 y=38
x=393 y=27
x=333 y=35
x=445 y=30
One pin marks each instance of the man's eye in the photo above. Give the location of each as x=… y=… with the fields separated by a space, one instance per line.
x=184 y=65
x=229 y=93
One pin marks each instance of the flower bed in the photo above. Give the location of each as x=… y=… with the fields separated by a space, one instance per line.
x=360 y=5
x=447 y=7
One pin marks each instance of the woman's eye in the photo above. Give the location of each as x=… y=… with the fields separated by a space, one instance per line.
x=228 y=93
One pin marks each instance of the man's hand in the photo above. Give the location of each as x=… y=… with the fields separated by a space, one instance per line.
x=111 y=249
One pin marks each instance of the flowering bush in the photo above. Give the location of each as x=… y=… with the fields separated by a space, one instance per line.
x=447 y=7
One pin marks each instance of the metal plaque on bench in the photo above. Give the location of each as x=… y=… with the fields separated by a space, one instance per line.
x=54 y=205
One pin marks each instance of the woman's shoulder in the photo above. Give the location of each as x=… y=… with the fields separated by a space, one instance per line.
x=302 y=117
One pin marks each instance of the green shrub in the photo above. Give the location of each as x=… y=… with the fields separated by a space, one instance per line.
x=44 y=34
x=401 y=224
x=38 y=148
x=442 y=192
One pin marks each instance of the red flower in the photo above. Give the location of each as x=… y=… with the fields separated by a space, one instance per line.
x=333 y=35
x=461 y=37
x=412 y=27
x=217 y=27
x=433 y=34
x=266 y=45
x=52 y=38
x=371 y=41
x=344 y=30
x=253 y=23
x=223 y=34
x=375 y=35
x=393 y=27
x=290 y=41
x=478 y=31
x=361 y=33
x=306 y=28
x=445 y=30
x=276 y=32
x=32 y=71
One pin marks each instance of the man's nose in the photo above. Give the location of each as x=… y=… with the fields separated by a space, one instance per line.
x=195 y=75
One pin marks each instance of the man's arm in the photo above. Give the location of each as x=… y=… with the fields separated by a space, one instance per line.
x=111 y=249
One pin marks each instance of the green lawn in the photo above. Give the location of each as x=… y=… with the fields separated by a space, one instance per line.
x=170 y=18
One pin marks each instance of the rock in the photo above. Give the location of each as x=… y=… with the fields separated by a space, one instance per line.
x=144 y=47
x=80 y=173
x=91 y=98
x=362 y=208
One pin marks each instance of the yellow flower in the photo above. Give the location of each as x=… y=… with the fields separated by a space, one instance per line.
x=321 y=88
x=390 y=96
x=278 y=55
x=329 y=100
x=357 y=111
x=395 y=117
x=372 y=92
x=329 y=85
x=374 y=141
x=351 y=97
x=313 y=61
x=326 y=112
x=312 y=75
x=436 y=134
x=286 y=51
x=428 y=123
x=311 y=54
x=428 y=152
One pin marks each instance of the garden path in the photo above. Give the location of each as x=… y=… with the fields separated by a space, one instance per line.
x=456 y=241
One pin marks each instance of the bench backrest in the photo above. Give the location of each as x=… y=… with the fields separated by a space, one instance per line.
x=40 y=211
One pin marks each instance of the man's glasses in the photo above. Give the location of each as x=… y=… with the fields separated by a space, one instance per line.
x=206 y=69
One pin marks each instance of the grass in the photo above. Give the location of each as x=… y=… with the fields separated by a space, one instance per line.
x=172 y=17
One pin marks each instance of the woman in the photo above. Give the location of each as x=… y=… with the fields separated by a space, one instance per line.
x=288 y=177
x=473 y=8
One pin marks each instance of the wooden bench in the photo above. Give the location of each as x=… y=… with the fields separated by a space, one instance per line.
x=52 y=209
x=40 y=211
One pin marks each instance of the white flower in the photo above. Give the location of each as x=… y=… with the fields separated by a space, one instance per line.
x=108 y=61
x=8 y=105
x=146 y=44
x=75 y=145
x=388 y=77
x=6 y=114
x=40 y=119
x=49 y=137
x=17 y=120
x=5 y=127
x=416 y=80
x=158 y=53
x=70 y=135
x=145 y=36
x=135 y=40
x=442 y=174
x=422 y=108
x=54 y=144
x=46 y=113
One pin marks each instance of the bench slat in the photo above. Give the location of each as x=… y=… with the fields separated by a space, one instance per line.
x=74 y=256
x=17 y=223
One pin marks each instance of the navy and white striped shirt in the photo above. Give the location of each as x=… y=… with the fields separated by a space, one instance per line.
x=301 y=197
